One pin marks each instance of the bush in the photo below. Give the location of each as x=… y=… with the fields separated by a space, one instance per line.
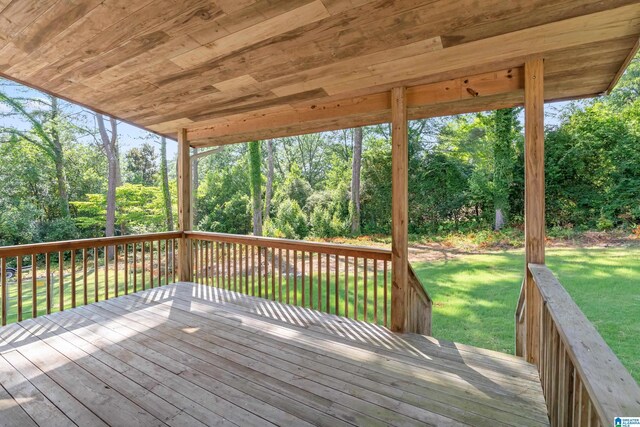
x=289 y=221
x=17 y=225
x=58 y=229
x=604 y=223
x=324 y=224
x=233 y=216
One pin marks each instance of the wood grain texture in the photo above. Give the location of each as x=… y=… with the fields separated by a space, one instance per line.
x=534 y=225
x=185 y=269
x=574 y=352
x=422 y=101
x=189 y=354
x=399 y=209
x=166 y=65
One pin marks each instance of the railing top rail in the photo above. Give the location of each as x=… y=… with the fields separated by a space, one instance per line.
x=613 y=390
x=318 y=247
x=47 y=247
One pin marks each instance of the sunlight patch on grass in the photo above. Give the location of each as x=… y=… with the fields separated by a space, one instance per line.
x=475 y=296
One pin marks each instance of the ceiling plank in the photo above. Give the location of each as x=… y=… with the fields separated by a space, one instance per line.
x=264 y=30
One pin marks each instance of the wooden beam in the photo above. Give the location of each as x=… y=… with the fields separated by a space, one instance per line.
x=184 y=205
x=624 y=66
x=399 y=209
x=454 y=96
x=534 y=220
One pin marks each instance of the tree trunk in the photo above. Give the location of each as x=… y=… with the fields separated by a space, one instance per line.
x=118 y=170
x=503 y=164
x=194 y=189
x=110 y=146
x=61 y=175
x=499 y=220
x=269 y=189
x=166 y=194
x=354 y=207
x=256 y=186
x=111 y=200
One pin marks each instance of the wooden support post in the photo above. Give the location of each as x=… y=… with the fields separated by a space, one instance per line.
x=399 y=209
x=184 y=206
x=534 y=221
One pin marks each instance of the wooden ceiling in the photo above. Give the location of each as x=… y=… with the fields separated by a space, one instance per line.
x=237 y=70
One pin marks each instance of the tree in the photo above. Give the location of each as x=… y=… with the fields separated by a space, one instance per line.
x=140 y=209
x=46 y=123
x=110 y=148
x=166 y=194
x=354 y=206
x=504 y=125
x=309 y=153
x=141 y=167
x=269 y=190
x=255 y=177
x=195 y=185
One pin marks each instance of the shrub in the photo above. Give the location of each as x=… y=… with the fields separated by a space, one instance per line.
x=289 y=221
x=604 y=223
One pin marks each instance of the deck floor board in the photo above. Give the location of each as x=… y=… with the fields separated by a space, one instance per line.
x=190 y=354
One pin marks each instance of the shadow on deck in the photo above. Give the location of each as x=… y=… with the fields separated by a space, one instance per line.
x=190 y=354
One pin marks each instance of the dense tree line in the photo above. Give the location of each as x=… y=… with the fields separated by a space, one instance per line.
x=64 y=174
x=466 y=173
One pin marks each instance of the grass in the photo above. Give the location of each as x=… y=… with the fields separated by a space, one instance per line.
x=27 y=293
x=475 y=296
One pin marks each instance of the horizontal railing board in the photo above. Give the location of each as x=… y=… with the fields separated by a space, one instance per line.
x=48 y=247
x=610 y=386
x=318 y=247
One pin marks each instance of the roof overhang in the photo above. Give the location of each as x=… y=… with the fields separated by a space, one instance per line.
x=237 y=70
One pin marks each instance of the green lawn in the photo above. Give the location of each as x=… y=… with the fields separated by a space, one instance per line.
x=41 y=304
x=475 y=296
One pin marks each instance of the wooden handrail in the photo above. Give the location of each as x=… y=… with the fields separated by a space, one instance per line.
x=419 y=306
x=65 y=245
x=582 y=379
x=74 y=281
x=301 y=245
x=350 y=281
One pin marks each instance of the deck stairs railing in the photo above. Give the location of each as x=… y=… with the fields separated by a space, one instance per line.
x=583 y=382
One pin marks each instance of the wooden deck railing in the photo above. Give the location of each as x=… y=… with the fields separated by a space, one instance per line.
x=60 y=275
x=419 y=306
x=583 y=381
x=349 y=281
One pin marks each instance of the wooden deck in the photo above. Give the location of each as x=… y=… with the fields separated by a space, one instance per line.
x=189 y=354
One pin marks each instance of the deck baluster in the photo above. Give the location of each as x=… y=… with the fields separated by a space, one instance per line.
x=34 y=287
